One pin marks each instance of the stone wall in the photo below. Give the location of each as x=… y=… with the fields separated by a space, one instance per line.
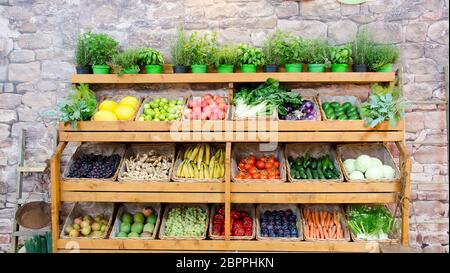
x=36 y=59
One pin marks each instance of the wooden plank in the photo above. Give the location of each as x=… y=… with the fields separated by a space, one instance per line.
x=350 y=77
x=235 y=197
x=232 y=137
x=228 y=125
x=55 y=191
x=405 y=166
x=235 y=187
x=209 y=245
x=303 y=187
x=142 y=186
x=137 y=197
x=316 y=198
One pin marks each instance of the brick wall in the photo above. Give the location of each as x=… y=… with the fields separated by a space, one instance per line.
x=36 y=59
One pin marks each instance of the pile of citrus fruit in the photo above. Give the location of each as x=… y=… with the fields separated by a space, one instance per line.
x=110 y=110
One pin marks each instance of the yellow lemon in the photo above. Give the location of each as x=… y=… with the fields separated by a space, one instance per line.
x=129 y=100
x=104 y=116
x=124 y=112
x=108 y=105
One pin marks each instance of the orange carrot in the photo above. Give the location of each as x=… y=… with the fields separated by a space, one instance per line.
x=325 y=233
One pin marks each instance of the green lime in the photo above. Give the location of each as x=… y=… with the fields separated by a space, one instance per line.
x=331 y=117
x=347 y=105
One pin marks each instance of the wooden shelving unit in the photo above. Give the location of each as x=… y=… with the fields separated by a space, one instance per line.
x=228 y=192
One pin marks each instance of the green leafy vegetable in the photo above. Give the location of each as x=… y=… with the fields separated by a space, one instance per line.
x=370 y=222
x=262 y=100
x=292 y=49
x=250 y=55
x=80 y=106
x=381 y=55
x=383 y=104
x=150 y=56
x=341 y=54
x=126 y=60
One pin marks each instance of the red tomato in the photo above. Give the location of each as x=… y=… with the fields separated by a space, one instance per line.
x=271 y=176
x=251 y=161
x=263 y=176
x=253 y=170
x=277 y=172
x=268 y=165
x=276 y=164
x=271 y=160
x=272 y=173
x=241 y=165
x=248 y=176
x=260 y=164
x=277 y=177
x=247 y=166
x=255 y=176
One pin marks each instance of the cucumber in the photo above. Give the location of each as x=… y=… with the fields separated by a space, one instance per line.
x=319 y=164
x=320 y=173
x=302 y=175
x=313 y=163
x=327 y=174
x=315 y=174
x=309 y=174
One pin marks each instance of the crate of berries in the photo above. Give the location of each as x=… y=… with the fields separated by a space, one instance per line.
x=95 y=162
x=88 y=220
x=137 y=221
x=278 y=222
x=254 y=162
x=242 y=221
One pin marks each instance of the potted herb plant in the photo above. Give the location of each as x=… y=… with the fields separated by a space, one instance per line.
x=249 y=58
x=178 y=50
x=293 y=53
x=225 y=58
x=271 y=50
x=151 y=59
x=126 y=62
x=201 y=51
x=317 y=56
x=341 y=56
x=361 y=47
x=101 y=48
x=81 y=54
x=381 y=58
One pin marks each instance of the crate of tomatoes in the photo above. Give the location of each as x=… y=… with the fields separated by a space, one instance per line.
x=253 y=162
x=242 y=222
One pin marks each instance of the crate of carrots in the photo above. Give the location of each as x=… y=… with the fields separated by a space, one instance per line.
x=324 y=222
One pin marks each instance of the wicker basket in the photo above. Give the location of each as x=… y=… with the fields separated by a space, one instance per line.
x=167 y=149
x=92 y=209
x=261 y=208
x=215 y=93
x=315 y=150
x=241 y=150
x=162 y=229
x=354 y=100
x=117 y=99
x=179 y=159
x=316 y=109
x=328 y=208
x=154 y=96
x=105 y=149
x=133 y=208
x=394 y=237
x=250 y=208
x=378 y=150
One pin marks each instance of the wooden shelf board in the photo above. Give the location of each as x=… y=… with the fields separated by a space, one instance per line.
x=327 y=77
x=231 y=136
x=218 y=245
x=229 y=125
x=235 y=187
x=256 y=197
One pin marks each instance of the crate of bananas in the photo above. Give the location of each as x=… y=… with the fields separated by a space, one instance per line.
x=201 y=162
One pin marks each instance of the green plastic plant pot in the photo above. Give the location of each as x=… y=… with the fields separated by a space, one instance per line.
x=248 y=68
x=293 y=67
x=225 y=68
x=316 y=67
x=130 y=71
x=386 y=68
x=339 y=67
x=153 y=69
x=100 y=69
x=199 y=68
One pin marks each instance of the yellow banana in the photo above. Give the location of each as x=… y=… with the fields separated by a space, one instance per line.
x=207 y=154
x=185 y=171
x=194 y=153
x=207 y=174
x=200 y=155
x=222 y=171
